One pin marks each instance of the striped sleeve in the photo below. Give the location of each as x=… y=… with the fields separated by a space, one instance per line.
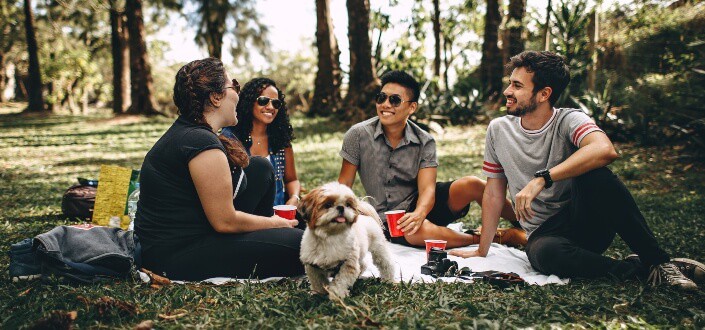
x=491 y=166
x=579 y=126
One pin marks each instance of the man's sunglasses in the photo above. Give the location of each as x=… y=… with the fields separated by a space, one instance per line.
x=394 y=99
x=263 y=101
x=235 y=86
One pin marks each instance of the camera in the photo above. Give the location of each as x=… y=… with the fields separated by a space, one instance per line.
x=438 y=264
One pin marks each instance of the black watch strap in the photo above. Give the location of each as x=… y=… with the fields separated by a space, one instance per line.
x=546 y=175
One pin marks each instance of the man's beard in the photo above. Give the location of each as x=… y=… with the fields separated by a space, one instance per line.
x=524 y=110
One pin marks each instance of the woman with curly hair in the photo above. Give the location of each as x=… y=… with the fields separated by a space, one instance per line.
x=265 y=129
x=205 y=208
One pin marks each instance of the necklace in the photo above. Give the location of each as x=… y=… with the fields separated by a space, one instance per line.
x=253 y=141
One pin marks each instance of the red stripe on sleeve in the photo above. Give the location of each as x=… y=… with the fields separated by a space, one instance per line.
x=491 y=165
x=579 y=132
x=492 y=170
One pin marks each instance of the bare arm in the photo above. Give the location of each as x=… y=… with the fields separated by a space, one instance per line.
x=596 y=150
x=426 y=181
x=492 y=204
x=347 y=173
x=293 y=186
x=211 y=176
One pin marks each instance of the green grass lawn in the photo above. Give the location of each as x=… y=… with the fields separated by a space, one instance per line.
x=41 y=156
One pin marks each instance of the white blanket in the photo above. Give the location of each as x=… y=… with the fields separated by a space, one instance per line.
x=408 y=263
x=501 y=258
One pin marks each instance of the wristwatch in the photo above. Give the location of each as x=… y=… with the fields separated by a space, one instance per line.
x=546 y=175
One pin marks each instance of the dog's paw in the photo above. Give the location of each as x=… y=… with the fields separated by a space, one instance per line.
x=337 y=294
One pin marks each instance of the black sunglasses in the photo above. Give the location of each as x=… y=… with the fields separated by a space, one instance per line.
x=263 y=101
x=235 y=86
x=394 y=99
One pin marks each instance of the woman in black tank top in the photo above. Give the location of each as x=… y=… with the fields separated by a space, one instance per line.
x=205 y=207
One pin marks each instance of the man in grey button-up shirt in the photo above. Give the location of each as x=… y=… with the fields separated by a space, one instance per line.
x=397 y=163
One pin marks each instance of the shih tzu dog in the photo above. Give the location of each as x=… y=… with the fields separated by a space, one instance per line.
x=341 y=229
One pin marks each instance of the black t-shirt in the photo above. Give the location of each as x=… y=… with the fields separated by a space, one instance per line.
x=169 y=211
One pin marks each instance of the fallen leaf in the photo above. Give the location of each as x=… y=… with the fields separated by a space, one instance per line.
x=24 y=292
x=145 y=325
x=174 y=314
x=156 y=279
x=59 y=320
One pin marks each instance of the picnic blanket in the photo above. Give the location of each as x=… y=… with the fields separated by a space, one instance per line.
x=408 y=261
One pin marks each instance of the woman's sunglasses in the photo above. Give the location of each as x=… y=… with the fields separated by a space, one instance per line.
x=263 y=101
x=394 y=99
x=235 y=86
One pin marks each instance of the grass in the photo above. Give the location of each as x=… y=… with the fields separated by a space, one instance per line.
x=41 y=156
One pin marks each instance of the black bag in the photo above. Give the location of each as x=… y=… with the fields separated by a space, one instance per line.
x=78 y=200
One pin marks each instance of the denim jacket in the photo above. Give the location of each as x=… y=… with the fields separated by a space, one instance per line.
x=88 y=253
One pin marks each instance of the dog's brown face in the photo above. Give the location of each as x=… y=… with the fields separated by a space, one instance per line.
x=331 y=208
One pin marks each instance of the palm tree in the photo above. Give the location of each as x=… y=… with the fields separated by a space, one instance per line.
x=34 y=81
x=140 y=69
x=211 y=17
x=363 y=84
x=515 y=25
x=326 y=96
x=491 y=71
x=121 y=53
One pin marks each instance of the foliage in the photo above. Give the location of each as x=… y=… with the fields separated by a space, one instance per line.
x=657 y=56
x=42 y=156
x=214 y=18
x=294 y=74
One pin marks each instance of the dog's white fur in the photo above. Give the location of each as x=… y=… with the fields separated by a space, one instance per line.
x=341 y=229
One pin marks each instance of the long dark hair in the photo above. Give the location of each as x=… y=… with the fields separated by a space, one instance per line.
x=280 y=132
x=194 y=84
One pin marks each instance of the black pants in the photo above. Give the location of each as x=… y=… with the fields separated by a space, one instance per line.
x=258 y=254
x=258 y=196
x=571 y=243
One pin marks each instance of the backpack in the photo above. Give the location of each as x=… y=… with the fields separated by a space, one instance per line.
x=78 y=200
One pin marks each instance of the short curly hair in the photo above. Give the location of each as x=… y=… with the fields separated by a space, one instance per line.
x=279 y=132
x=549 y=69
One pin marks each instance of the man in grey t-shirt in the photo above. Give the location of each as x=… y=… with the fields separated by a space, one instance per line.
x=397 y=163
x=553 y=162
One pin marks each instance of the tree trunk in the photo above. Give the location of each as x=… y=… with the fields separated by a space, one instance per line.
x=515 y=25
x=547 y=28
x=437 y=38
x=140 y=70
x=594 y=36
x=326 y=95
x=20 y=83
x=491 y=71
x=363 y=84
x=121 y=53
x=34 y=81
x=3 y=77
x=447 y=53
x=214 y=16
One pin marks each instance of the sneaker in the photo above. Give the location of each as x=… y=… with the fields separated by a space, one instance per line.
x=24 y=264
x=691 y=269
x=669 y=274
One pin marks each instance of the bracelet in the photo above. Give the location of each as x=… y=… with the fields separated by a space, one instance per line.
x=297 y=197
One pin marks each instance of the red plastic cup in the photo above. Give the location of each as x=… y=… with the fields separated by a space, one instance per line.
x=285 y=211
x=392 y=217
x=431 y=243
